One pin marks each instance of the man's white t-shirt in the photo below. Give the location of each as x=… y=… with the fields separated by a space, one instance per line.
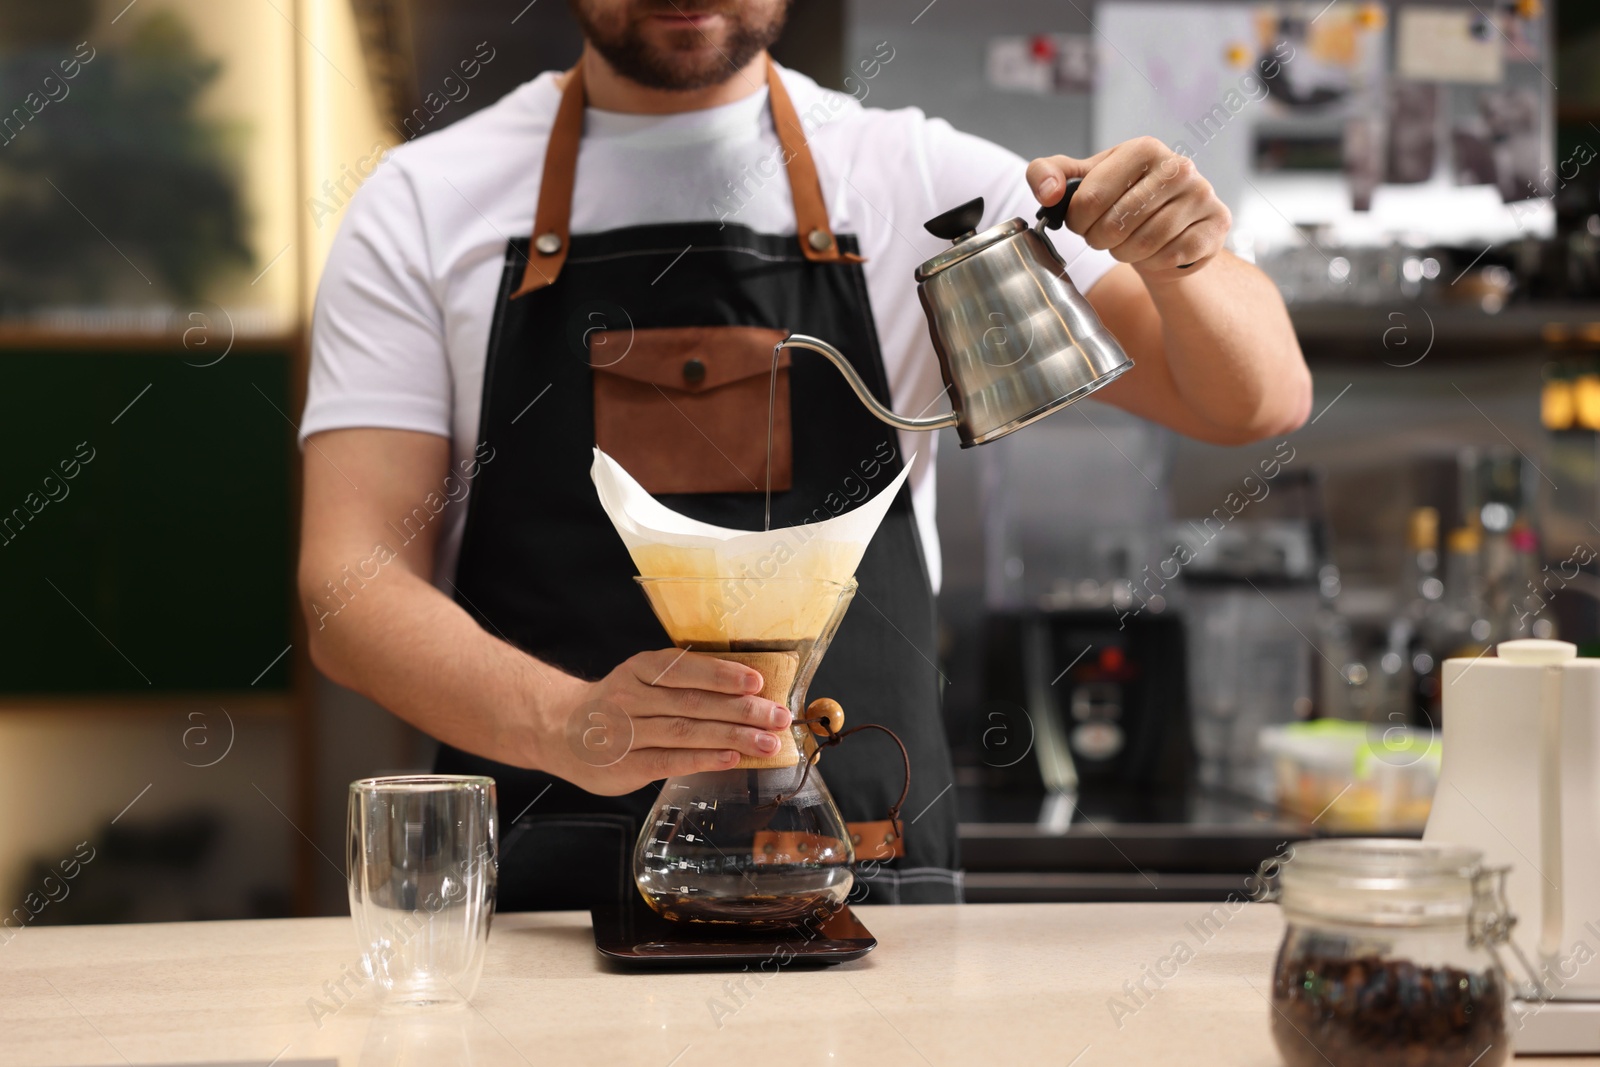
x=401 y=328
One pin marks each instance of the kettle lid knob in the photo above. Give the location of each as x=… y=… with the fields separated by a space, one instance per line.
x=1533 y=652
x=958 y=222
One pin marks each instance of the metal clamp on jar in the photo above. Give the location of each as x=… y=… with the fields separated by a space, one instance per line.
x=1391 y=957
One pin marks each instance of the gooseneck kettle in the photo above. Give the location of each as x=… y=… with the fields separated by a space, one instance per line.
x=1016 y=340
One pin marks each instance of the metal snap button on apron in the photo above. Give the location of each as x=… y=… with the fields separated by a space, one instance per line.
x=548 y=243
x=694 y=372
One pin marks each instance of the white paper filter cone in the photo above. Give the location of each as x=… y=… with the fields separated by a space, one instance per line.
x=751 y=603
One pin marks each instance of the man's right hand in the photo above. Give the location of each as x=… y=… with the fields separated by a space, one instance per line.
x=659 y=715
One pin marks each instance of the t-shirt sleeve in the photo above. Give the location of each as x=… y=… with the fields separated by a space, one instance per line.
x=378 y=356
x=961 y=166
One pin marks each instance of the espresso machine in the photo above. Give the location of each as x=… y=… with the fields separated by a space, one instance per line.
x=1084 y=659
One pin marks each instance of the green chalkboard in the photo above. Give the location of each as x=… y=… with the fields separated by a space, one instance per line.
x=144 y=521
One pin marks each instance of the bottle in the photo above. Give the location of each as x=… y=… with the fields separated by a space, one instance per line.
x=1341 y=693
x=1422 y=563
x=1527 y=613
x=1411 y=658
x=1497 y=564
x=1464 y=627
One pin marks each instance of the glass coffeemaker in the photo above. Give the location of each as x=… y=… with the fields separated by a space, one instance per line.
x=761 y=844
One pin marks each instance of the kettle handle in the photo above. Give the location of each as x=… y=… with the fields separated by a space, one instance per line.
x=1055 y=216
x=873 y=404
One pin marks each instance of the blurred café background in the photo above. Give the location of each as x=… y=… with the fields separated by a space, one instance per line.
x=1163 y=659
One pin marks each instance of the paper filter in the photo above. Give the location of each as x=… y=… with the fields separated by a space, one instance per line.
x=763 y=594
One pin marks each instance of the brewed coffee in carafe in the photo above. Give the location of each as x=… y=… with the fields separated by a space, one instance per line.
x=762 y=843
x=754 y=847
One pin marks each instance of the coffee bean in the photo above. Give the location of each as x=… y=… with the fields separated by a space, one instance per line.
x=1369 y=1011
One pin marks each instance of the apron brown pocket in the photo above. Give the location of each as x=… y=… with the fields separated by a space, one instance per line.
x=684 y=409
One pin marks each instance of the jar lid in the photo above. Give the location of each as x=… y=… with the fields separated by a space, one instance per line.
x=1380 y=881
x=969 y=245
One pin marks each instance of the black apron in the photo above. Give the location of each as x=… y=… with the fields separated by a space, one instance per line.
x=542 y=566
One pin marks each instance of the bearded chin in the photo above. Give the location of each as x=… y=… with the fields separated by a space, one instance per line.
x=697 y=64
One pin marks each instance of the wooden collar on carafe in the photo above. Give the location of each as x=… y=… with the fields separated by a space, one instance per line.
x=551 y=223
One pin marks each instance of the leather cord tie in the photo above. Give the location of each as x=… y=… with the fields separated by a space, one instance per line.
x=829 y=738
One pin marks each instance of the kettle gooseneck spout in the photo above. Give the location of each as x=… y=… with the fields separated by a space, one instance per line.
x=873 y=404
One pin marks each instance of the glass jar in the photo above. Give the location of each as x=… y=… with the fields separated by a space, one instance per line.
x=1389 y=957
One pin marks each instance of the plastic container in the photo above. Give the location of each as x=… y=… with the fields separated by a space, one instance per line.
x=1354 y=776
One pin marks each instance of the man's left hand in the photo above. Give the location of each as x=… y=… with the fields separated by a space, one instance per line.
x=1144 y=203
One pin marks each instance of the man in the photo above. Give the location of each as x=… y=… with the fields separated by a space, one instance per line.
x=675 y=200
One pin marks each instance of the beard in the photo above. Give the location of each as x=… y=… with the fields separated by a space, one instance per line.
x=639 y=48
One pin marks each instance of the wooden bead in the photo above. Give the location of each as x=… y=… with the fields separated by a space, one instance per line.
x=829 y=708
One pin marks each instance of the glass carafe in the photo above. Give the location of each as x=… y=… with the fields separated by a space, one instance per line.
x=762 y=844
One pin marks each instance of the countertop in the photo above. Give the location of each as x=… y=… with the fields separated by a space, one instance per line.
x=1012 y=983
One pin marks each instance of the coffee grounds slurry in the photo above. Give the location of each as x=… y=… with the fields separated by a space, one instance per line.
x=1370 y=1011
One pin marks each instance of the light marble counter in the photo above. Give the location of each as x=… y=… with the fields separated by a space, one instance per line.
x=1003 y=983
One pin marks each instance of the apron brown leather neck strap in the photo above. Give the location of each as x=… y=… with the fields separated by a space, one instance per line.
x=552 y=221
x=810 y=212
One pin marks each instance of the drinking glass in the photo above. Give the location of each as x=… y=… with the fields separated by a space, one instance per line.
x=423 y=857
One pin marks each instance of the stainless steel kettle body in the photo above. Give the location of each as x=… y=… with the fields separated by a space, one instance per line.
x=1016 y=340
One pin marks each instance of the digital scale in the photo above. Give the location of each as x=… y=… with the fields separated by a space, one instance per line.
x=634 y=936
